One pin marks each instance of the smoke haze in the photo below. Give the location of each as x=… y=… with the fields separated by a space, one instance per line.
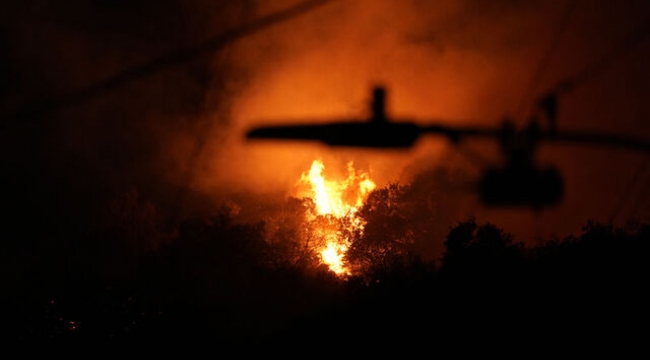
x=177 y=136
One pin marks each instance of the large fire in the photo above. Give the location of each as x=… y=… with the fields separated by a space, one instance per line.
x=338 y=201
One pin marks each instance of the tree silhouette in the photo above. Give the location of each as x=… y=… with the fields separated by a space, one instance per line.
x=480 y=250
x=386 y=237
x=243 y=284
x=290 y=236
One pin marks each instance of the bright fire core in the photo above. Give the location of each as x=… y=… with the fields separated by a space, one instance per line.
x=339 y=200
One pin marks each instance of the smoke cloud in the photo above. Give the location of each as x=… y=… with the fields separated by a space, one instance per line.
x=177 y=135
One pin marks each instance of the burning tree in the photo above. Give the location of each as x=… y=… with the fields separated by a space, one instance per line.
x=349 y=225
x=333 y=221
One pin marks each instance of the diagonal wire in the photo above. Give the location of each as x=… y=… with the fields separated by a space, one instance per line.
x=543 y=64
x=628 y=44
x=99 y=88
x=636 y=178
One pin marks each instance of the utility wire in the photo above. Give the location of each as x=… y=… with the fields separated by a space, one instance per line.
x=628 y=190
x=35 y=110
x=546 y=59
x=628 y=44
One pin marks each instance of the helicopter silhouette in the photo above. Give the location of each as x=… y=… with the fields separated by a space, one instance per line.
x=518 y=180
x=376 y=132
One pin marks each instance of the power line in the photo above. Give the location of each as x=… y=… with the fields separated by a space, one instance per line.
x=34 y=110
x=628 y=44
x=628 y=190
x=543 y=64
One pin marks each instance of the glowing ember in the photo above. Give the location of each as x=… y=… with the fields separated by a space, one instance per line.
x=340 y=200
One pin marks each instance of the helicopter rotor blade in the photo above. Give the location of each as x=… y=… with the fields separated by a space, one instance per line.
x=402 y=134
x=349 y=134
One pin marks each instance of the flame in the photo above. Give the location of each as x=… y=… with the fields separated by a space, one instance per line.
x=340 y=200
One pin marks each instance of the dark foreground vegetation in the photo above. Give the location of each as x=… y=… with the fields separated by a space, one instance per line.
x=219 y=284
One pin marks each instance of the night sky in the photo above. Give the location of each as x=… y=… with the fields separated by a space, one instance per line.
x=100 y=98
x=181 y=125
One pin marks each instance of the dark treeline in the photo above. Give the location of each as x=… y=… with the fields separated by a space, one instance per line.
x=219 y=282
